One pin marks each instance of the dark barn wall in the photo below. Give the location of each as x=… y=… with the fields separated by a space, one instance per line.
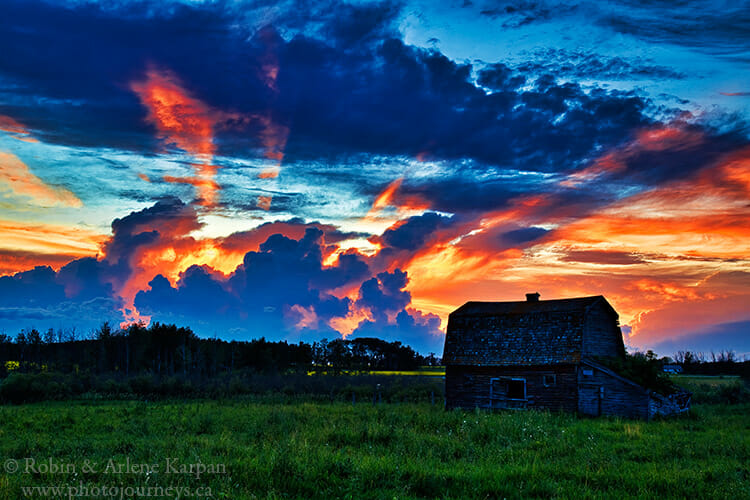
x=618 y=397
x=469 y=386
x=602 y=335
x=516 y=339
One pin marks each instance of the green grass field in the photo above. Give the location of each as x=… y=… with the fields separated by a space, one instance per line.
x=425 y=371
x=691 y=381
x=429 y=371
x=272 y=447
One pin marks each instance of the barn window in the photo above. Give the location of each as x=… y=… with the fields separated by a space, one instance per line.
x=507 y=388
x=517 y=388
x=587 y=372
x=549 y=380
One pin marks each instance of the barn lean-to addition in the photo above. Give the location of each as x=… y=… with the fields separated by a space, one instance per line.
x=543 y=354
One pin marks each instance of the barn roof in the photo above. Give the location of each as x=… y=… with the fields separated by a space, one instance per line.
x=527 y=307
x=531 y=332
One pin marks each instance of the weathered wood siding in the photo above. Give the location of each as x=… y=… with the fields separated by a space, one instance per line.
x=602 y=394
x=602 y=335
x=469 y=386
x=531 y=339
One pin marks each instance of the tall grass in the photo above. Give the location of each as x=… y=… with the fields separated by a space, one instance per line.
x=715 y=389
x=20 y=388
x=282 y=447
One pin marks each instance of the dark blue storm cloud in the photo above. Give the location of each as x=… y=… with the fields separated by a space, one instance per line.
x=256 y=299
x=385 y=296
x=721 y=28
x=347 y=85
x=415 y=233
x=580 y=65
x=523 y=235
x=269 y=294
x=42 y=298
x=515 y=14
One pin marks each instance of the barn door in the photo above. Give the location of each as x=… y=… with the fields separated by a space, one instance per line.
x=590 y=400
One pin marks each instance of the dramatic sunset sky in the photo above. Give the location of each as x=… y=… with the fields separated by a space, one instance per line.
x=306 y=169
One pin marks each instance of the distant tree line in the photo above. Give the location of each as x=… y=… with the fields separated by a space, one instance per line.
x=162 y=349
x=713 y=363
x=169 y=361
x=692 y=363
x=647 y=369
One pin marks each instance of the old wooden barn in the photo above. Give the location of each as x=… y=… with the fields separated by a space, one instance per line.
x=543 y=354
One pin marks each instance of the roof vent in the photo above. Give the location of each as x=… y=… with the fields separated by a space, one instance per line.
x=532 y=297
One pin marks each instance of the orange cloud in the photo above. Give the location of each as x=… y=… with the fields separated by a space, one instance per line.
x=273 y=135
x=13 y=261
x=8 y=124
x=405 y=205
x=264 y=202
x=17 y=177
x=385 y=197
x=706 y=215
x=683 y=232
x=303 y=317
x=719 y=301
x=269 y=173
x=204 y=183
x=675 y=137
x=734 y=175
x=16 y=129
x=609 y=163
x=183 y=121
x=464 y=261
x=351 y=321
x=151 y=257
x=44 y=244
x=666 y=291
x=169 y=256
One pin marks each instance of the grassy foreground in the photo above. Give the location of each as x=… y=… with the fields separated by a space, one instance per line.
x=295 y=449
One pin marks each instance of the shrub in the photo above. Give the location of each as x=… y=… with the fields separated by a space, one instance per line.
x=142 y=384
x=27 y=387
x=643 y=369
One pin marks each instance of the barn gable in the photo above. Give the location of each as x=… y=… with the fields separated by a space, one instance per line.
x=532 y=332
